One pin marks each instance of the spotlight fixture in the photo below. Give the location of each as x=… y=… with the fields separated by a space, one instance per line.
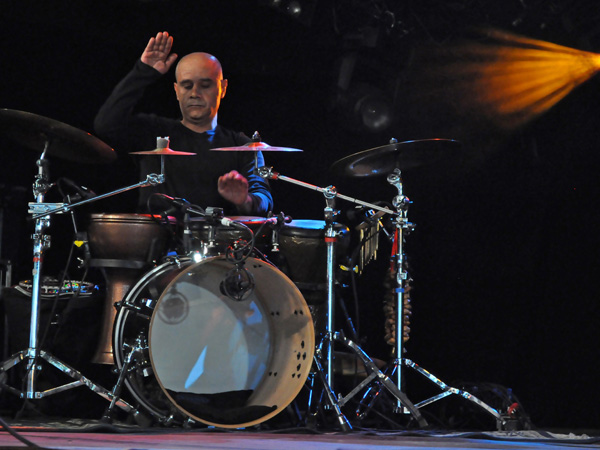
x=300 y=10
x=360 y=102
x=366 y=108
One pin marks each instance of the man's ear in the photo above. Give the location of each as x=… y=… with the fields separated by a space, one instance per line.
x=223 y=87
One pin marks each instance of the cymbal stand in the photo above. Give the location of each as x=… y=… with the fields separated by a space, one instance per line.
x=41 y=213
x=400 y=202
x=329 y=337
x=330 y=239
x=402 y=228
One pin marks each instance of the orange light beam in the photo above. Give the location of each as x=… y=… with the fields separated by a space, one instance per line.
x=514 y=79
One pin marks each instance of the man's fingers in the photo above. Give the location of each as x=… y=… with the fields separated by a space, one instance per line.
x=150 y=46
x=162 y=42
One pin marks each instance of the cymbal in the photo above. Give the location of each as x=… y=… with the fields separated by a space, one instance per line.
x=163 y=152
x=64 y=141
x=255 y=147
x=380 y=161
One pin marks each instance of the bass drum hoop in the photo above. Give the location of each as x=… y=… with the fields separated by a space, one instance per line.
x=291 y=337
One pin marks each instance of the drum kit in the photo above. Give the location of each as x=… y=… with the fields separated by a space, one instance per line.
x=216 y=333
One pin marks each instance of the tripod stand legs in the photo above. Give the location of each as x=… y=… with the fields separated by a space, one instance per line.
x=375 y=376
x=372 y=394
x=448 y=390
x=333 y=403
x=80 y=380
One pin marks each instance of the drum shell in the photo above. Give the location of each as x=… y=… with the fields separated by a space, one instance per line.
x=123 y=246
x=132 y=237
x=304 y=250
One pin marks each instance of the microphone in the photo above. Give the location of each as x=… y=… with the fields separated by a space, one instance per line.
x=226 y=221
x=282 y=218
x=181 y=203
x=84 y=192
x=238 y=284
x=279 y=219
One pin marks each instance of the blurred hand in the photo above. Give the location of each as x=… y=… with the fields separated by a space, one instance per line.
x=234 y=188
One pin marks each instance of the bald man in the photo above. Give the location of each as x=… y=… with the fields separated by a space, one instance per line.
x=221 y=179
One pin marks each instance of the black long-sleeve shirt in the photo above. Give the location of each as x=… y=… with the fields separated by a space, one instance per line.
x=191 y=177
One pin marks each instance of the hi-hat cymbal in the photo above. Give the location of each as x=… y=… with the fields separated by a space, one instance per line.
x=381 y=161
x=62 y=140
x=255 y=147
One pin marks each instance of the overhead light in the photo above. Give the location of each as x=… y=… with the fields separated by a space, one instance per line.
x=294 y=9
x=300 y=10
x=361 y=104
x=366 y=108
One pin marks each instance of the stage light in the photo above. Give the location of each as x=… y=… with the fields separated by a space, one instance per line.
x=362 y=99
x=511 y=79
x=300 y=10
x=366 y=108
x=294 y=9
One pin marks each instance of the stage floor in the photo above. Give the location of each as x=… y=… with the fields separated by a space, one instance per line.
x=93 y=435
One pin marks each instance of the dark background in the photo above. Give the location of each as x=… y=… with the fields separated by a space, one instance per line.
x=505 y=253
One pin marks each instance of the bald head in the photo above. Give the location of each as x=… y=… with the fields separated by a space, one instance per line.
x=199 y=61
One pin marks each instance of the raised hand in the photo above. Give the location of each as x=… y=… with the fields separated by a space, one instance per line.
x=157 y=53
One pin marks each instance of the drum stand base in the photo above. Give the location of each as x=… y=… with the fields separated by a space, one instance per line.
x=336 y=403
x=503 y=422
x=80 y=380
x=130 y=362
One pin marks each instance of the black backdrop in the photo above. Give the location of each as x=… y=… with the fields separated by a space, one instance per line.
x=505 y=253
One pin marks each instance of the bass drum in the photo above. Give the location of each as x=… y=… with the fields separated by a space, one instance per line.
x=199 y=351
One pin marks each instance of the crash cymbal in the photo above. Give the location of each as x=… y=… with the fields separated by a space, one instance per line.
x=163 y=152
x=255 y=147
x=64 y=141
x=381 y=161
x=162 y=149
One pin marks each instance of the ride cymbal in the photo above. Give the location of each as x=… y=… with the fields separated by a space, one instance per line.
x=380 y=161
x=61 y=140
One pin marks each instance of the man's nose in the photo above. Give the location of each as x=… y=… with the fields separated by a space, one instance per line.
x=196 y=91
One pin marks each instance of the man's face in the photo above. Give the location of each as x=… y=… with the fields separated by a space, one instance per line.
x=199 y=89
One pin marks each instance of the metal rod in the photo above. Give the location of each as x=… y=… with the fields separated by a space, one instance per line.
x=337 y=194
x=151 y=180
x=330 y=242
x=39 y=189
